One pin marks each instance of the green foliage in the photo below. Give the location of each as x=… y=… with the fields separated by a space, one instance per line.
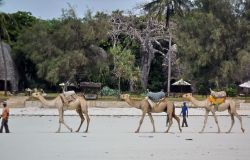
x=123 y=62
x=231 y=92
x=210 y=41
x=106 y=91
x=62 y=50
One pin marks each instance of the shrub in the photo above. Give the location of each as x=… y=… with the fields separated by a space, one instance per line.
x=106 y=91
x=231 y=92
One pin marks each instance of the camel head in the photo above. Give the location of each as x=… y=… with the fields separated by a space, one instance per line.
x=36 y=94
x=124 y=96
x=187 y=95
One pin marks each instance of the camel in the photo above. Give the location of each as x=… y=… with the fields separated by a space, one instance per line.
x=144 y=106
x=229 y=105
x=80 y=105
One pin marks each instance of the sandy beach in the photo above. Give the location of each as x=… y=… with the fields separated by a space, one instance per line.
x=112 y=137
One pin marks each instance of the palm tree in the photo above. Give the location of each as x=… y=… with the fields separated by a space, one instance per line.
x=157 y=8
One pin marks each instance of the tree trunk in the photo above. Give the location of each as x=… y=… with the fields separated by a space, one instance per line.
x=131 y=86
x=146 y=60
x=5 y=68
x=119 y=85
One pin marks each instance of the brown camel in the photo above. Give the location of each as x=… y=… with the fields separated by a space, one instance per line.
x=80 y=105
x=163 y=106
x=229 y=105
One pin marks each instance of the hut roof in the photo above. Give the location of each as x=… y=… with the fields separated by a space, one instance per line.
x=12 y=75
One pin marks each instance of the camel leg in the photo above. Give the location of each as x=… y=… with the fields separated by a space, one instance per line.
x=79 y=111
x=205 y=122
x=167 y=121
x=88 y=120
x=152 y=121
x=70 y=129
x=240 y=119
x=232 y=123
x=216 y=121
x=142 y=118
x=170 y=122
x=60 y=120
x=178 y=121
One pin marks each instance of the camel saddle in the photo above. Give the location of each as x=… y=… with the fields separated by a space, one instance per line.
x=152 y=103
x=68 y=96
x=216 y=101
x=156 y=96
x=220 y=94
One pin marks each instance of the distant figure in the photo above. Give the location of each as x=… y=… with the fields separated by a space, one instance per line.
x=5 y=117
x=184 y=112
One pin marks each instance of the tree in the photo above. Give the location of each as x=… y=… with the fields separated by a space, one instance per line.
x=123 y=61
x=65 y=49
x=148 y=32
x=211 y=43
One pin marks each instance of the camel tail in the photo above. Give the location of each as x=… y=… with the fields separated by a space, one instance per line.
x=173 y=110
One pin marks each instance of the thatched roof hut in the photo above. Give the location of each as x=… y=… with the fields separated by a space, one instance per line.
x=12 y=76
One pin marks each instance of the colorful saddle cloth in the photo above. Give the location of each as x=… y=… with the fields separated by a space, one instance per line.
x=216 y=101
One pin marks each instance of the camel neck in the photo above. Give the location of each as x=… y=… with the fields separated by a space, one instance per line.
x=132 y=103
x=50 y=103
x=198 y=103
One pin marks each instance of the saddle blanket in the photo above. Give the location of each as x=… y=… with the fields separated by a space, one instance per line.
x=68 y=96
x=156 y=96
x=216 y=101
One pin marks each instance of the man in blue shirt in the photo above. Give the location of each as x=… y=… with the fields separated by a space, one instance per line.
x=184 y=112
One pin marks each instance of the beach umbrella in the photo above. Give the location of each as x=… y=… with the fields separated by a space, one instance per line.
x=181 y=83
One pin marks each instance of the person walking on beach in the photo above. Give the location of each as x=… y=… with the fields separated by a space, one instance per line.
x=5 y=117
x=184 y=112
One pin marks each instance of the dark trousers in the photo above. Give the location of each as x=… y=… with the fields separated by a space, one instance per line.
x=5 y=125
x=184 y=121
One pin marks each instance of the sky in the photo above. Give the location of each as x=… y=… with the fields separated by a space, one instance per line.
x=48 y=9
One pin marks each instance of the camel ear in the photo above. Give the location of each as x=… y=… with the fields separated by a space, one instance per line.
x=35 y=89
x=210 y=90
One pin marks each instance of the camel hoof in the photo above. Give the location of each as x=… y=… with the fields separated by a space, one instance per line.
x=77 y=131
x=57 y=132
x=228 y=132
x=86 y=131
x=71 y=130
x=180 y=130
x=136 y=131
x=201 y=132
x=166 y=131
x=243 y=130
